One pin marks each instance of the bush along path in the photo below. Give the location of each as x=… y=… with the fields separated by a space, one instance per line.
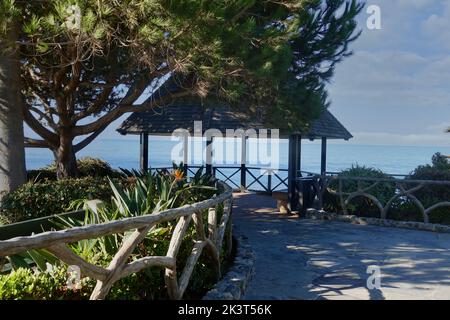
x=171 y=241
x=43 y=195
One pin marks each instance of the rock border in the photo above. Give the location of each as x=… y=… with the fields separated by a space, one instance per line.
x=234 y=283
x=323 y=215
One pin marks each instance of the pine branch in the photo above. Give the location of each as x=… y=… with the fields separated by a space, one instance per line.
x=34 y=143
x=116 y=113
x=44 y=116
x=38 y=128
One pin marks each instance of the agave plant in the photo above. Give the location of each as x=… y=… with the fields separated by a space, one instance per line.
x=39 y=259
x=96 y=249
x=155 y=192
x=149 y=194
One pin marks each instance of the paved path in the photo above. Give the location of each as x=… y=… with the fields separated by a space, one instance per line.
x=307 y=259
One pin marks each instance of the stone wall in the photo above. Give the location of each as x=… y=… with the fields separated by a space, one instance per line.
x=234 y=283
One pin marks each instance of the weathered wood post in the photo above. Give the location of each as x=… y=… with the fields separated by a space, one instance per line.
x=298 y=173
x=323 y=159
x=299 y=155
x=243 y=162
x=269 y=181
x=209 y=142
x=294 y=167
x=144 y=151
x=185 y=153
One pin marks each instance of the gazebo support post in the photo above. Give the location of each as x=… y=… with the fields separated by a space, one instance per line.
x=299 y=156
x=185 y=153
x=209 y=142
x=144 y=152
x=294 y=167
x=243 y=161
x=323 y=158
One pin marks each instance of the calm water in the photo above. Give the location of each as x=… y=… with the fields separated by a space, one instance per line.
x=124 y=152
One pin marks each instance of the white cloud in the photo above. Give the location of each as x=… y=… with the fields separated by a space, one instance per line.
x=437 y=25
x=395 y=79
x=395 y=88
x=443 y=126
x=382 y=138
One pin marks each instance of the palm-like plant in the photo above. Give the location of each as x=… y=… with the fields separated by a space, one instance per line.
x=149 y=194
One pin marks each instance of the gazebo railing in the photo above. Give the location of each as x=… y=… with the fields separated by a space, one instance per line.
x=313 y=188
x=210 y=242
x=256 y=179
x=230 y=178
x=274 y=179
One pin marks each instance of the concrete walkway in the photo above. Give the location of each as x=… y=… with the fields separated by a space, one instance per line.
x=307 y=259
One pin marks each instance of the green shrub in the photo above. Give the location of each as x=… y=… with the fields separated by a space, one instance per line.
x=146 y=194
x=44 y=198
x=42 y=174
x=151 y=193
x=92 y=167
x=26 y=284
x=403 y=209
x=431 y=194
x=30 y=284
x=361 y=206
x=87 y=167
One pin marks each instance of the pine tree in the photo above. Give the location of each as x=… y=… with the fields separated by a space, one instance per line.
x=86 y=63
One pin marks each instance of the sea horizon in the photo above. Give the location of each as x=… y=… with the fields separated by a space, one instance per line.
x=124 y=153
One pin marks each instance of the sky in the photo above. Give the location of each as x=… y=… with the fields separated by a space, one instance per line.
x=395 y=88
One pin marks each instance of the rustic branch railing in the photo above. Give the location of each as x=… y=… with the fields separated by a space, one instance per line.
x=404 y=188
x=56 y=242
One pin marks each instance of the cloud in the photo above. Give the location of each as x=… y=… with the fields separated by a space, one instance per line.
x=402 y=25
x=394 y=79
x=396 y=85
x=437 y=25
x=382 y=138
x=443 y=126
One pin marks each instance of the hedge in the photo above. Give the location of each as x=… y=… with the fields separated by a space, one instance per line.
x=44 y=198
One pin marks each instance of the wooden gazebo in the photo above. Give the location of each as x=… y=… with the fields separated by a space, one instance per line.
x=182 y=116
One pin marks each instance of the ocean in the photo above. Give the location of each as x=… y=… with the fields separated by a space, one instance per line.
x=124 y=153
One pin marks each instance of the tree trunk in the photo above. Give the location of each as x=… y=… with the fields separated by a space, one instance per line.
x=65 y=159
x=12 y=151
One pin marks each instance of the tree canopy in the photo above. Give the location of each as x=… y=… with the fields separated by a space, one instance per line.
x=85 y=63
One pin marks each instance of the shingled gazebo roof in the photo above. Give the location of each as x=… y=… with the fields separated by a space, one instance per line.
x=166 y=120
x=327 y=126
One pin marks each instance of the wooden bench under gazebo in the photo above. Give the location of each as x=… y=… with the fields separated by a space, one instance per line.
x=164 y=121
